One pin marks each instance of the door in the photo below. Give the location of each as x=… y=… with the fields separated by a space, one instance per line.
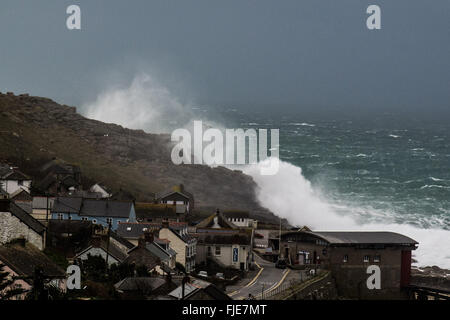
x=405 y=268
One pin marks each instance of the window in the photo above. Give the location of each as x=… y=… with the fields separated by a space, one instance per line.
x=128 y=228
x=209 y=251
x=109 y=220
x=376 y=258
x=60 y=216
x=69 y=217
x=345 y=258
x=366 y=258
x=84 y=219
x=217 y=251
x=94 y=221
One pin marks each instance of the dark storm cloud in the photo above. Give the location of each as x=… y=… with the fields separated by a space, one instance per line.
x=299 y=53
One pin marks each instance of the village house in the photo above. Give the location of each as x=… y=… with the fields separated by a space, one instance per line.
x=103 y=211
x=133 y=231
x=221 y=241
x=161 y=249
x=140 y=256
x=60 y=178
x=16 y=223
x=184 y=244
x=11 y=179
x=21 y=260
x=348 y=254
x=177 y=196
x=99 y=246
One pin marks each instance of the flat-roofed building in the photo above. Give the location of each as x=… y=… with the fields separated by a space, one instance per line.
x=349 y=254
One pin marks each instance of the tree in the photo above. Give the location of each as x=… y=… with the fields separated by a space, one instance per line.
x=7 y=289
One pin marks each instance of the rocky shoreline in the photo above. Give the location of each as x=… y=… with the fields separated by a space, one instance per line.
x=433 y=277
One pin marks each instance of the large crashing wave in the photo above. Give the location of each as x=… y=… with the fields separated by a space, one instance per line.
x=289 y=195
x=147 y=105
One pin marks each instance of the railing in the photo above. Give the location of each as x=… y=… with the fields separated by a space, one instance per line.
x=292 y=286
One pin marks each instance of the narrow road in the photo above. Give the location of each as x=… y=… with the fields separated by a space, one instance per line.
x=267 y=279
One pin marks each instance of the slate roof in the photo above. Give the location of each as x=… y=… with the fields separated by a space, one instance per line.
x=177 y=229
x=25 y=206
x=175 y=189
x=23 y=216
x=337 y=238
x=40 y=202
x=137 y=283
x=158 y=251
x=92 y=207
x=9 y=173
x=196 y=285
x=122 y=240
x=135 y=230
x=140 y=256
x=113 y=250
x=24 y=259
x=21 y=193
x=106 y=208
x=67 y=205
x=364 y=237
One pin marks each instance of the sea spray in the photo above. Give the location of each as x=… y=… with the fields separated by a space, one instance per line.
x=290 y=195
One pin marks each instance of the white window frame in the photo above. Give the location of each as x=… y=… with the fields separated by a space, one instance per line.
x=366 y=258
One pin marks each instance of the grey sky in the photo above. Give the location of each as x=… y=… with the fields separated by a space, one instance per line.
x=304 y=53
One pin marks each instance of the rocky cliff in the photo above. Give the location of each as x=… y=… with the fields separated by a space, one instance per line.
x=35 y=128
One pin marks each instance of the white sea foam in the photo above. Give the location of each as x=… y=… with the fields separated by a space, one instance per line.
x=434 y=186
x=289 y=195
x=303 y=124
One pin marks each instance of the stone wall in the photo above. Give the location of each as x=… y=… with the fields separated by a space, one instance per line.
x=12 y=228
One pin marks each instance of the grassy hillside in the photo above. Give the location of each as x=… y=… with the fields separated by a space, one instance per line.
x=34 y=129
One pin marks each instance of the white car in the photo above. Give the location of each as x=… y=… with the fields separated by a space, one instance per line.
x=203 y=274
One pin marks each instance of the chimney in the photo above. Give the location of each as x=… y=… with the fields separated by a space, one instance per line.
x=4 y=205
x=149 y=237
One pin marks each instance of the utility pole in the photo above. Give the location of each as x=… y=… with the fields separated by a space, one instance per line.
x=279 y=242
x=107 y=244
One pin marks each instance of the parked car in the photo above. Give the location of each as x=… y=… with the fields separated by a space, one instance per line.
x=220 y=275
x=203 y=274
x=281 y=264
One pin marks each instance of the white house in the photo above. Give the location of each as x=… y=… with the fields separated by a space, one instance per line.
x=101 y=190
x=11 y=179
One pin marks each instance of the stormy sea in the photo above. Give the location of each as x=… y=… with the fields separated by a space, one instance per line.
x=338 y=171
